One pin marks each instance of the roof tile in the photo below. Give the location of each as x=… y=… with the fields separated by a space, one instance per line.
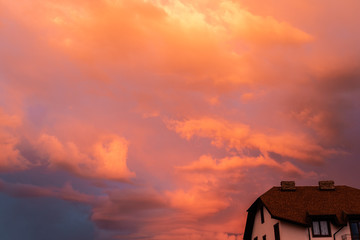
x=296 y=206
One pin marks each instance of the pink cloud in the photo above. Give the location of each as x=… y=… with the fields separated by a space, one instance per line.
x=11 y=121
x=259 y=29
x=191 y=234
x=10 y=158
x=123 y=34
x=229 y=135
x=197 y=202
x=207 y=163
x=106 y=159
x=252 y=89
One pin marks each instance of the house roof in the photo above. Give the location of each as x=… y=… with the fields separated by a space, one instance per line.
x=300 y=205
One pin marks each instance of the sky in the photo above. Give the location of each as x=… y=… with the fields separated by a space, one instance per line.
x=166 y=119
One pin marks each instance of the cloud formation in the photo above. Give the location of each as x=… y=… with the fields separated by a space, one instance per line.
x=10 y=158
x=240 y=136
x=207 y=163
x=167 y=118
x=107 y=159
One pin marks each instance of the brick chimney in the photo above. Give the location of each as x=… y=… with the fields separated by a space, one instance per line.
x=288 y=186
x=326 y=185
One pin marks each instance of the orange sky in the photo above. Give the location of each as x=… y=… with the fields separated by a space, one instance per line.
x=165 y=119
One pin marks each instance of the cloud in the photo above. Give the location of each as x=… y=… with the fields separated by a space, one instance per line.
x=10 y=157
x=192 y=47
x=129 y=211
x=193 y=234
x=252 y=89
x=11 y=121
x=67 y=192
x=228 y=135
x=206 y=163
x=329 y=109
x=197 y=202
x=24 y=190
x=258 y=29
x=146 y=213
x=105 y=160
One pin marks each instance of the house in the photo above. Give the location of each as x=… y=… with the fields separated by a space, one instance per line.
x=292 y=212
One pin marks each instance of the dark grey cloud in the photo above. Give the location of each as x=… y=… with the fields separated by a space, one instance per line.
x=43 y=219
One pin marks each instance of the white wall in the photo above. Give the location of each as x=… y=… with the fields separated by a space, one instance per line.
x=266 y=228
x=288 y=231
x=334 y=229
x=344 y=231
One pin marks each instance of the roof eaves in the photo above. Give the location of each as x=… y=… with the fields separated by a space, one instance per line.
x=250 y=219
x=291 y=221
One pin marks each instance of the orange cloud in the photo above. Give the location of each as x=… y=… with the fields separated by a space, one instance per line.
x=189 y=43
x=11 y=121
x=219 y=131
x=10 y=157
x=197 y=202
x=192 y=234
x=258 y=29
x=77 y=70
x=239 y=136
x=106 y=160
x=207 y=163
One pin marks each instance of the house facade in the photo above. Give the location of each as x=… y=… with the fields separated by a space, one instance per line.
x=289 y=212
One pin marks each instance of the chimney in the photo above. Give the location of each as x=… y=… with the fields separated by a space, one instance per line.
x=326 y=185
x=288 y=186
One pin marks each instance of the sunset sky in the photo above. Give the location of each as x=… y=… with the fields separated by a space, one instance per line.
x=166 y=119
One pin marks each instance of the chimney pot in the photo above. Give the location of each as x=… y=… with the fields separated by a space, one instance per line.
x=288 y=186
x=326 y=185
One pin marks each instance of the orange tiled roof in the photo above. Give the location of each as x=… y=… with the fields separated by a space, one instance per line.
x=296 y=206
x=305 y=202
